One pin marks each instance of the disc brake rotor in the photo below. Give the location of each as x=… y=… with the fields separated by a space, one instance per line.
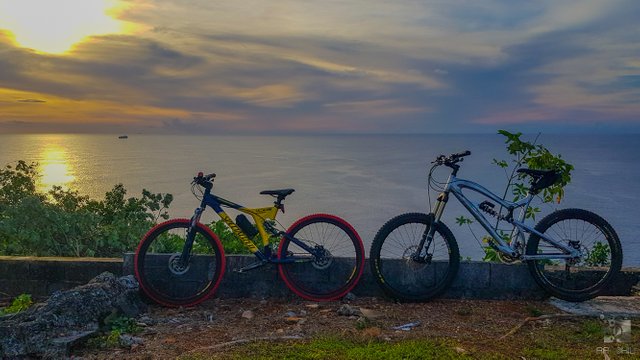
x=175 y=265
x=324 y=260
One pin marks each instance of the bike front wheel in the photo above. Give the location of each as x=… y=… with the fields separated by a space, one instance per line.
x=582 y=278
x=333 y=266
x=402 y=270
x=167 y=280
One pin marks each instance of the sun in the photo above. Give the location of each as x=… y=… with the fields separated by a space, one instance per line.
x=54 y=26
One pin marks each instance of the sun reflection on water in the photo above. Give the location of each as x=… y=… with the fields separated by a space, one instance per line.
x=55 y=168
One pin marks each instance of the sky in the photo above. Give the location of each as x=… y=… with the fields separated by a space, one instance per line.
x=299 y=66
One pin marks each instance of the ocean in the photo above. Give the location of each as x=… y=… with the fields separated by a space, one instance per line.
x=366 y=179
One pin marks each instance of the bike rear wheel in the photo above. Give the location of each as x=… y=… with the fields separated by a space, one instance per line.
x=160 y=273
x=335 y=272
x=582 y=278
x=401 y=275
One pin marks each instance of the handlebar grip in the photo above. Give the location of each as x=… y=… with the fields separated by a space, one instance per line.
x=465 y=153
x=201 y=176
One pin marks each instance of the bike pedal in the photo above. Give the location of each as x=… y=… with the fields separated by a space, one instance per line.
x=251 y=266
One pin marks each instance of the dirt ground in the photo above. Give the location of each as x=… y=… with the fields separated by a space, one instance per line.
x=471 y=324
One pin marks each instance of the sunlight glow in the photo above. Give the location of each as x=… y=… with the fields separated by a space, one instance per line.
x=51 y=26
x=55 y=168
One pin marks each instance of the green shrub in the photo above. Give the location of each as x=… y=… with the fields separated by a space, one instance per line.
x=63 y=223
x=534 y=156
x=20 y=303
x=230 y=242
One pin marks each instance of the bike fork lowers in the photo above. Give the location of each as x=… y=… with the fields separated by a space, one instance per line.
x=191 y=236
x=427 y=236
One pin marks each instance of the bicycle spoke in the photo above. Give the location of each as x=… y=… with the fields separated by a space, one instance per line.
x=584 y=276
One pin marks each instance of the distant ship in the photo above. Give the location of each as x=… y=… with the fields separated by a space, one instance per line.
x=123 y=137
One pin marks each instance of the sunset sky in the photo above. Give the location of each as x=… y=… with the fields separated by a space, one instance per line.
x=358 y=66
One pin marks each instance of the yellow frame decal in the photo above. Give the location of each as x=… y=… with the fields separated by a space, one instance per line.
x=259 y=215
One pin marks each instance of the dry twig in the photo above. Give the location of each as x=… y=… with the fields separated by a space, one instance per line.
x=245 y=341
x=537 y=318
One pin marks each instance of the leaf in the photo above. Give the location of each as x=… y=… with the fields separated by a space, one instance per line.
x=461 y=220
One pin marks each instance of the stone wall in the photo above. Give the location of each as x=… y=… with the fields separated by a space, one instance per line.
x=41 y=276
x=476 y=280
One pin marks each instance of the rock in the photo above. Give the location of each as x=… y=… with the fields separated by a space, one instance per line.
x=208 y=316
x=348 y=310
x=460 y=350
x=147 y=320
x=370 y=314
x=312 y=306
x=128 y=341
x=293 y=319
x=36 y=332
x=349 y=297
x=248 y=314
x=290 y=314
x=169 y=340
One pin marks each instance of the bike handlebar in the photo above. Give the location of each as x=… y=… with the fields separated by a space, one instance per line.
x=461 y=154
x=451 y=159
x=204 y=180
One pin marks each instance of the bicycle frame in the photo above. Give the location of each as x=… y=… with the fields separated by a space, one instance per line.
x=259 y=215
x=456 y=186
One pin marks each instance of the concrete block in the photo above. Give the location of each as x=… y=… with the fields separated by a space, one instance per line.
x=13 y=288
x=368 y=286
x=473 y=275
x=46 y=270
x=511 y=276
x=13 y=269
x=127 y=264
x=475 y=280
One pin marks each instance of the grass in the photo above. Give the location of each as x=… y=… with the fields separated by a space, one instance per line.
x=339 y=348
x=573 y=339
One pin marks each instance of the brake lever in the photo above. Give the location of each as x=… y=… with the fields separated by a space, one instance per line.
x=439 y=159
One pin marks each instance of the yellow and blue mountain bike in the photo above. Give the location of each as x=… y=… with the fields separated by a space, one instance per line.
x=181 y=262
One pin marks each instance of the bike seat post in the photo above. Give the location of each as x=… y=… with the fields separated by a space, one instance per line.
x=278 y=203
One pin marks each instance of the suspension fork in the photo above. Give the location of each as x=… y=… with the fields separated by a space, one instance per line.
x=427 y=236
x=191 y=236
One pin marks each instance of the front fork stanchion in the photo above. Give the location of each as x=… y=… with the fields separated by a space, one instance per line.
x=191 y=236
x=427 y=236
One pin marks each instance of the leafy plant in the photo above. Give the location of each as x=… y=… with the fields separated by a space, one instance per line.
x=121 y=324
x=20 y=303
x=230 y=242
x=490 y=254
x=114 y=326
x=534 y=156
x=599 y=255
x=62 y=222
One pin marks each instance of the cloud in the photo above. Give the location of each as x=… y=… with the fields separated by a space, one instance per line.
x=31 y=101
x=357 y=66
